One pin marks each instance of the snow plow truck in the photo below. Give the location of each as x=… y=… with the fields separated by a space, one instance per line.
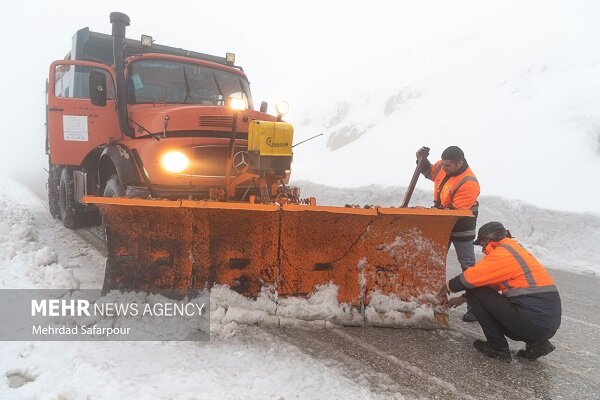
x=192 y=185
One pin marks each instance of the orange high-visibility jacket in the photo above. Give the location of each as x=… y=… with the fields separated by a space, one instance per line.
x=510 y=268
x=459 y=192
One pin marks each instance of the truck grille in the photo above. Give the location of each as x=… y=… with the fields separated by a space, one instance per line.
x=211 y=160
x=215 y=121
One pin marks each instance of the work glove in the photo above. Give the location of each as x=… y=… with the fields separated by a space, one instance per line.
x=422 y=152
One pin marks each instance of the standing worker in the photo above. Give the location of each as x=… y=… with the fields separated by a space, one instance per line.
x=529 y=307
x=456 y=188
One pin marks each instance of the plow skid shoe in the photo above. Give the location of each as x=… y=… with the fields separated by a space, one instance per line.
x=386 y=263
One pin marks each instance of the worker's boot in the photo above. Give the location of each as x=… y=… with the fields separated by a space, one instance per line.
x=490 y=351
x=469 y=316
x=534 y=350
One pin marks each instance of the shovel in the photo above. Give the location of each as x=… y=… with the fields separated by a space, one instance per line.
x=413 y=182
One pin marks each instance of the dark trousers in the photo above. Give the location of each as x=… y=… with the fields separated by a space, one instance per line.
x=499 y=318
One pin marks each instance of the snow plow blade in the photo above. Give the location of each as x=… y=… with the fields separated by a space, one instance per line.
x=381 y=260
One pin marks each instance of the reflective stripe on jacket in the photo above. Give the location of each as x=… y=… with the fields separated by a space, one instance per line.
x=459 y=192
x=510 y=268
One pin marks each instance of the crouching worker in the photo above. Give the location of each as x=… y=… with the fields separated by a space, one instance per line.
x=528 y=309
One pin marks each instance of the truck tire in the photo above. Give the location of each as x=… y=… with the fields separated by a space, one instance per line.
x=71 y=212
x=114 y=187
x=53 y=191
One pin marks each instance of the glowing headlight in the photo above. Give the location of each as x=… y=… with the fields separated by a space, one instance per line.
x=282 y=107
x=237 y=103
x=174 y=161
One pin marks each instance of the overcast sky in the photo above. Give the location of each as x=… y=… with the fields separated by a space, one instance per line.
x=516 y=84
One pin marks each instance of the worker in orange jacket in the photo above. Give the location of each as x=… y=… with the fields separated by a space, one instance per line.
x=529 y=308
x=456 y=188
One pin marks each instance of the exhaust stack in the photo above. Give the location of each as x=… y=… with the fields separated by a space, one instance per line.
x=119 y=23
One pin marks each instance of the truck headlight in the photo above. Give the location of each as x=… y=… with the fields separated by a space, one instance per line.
x=237 y=103
x=174 y=161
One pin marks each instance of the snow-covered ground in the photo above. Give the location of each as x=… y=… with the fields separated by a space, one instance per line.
x=37 y=252
x=239 y=361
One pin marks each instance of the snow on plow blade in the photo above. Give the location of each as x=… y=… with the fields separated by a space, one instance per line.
x=384 y=262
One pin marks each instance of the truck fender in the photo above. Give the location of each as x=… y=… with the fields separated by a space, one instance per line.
x=116 y=158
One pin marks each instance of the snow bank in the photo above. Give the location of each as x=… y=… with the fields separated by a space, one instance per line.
x=390 y=311
x=21 y=253
x=320 y=310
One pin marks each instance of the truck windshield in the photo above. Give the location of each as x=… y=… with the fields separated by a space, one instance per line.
x=164 y=81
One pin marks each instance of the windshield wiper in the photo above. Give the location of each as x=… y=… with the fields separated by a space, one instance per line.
x=218 y=87
x=244 y=92
x=187 y=86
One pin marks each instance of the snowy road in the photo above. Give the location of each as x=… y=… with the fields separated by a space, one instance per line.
x=238 y=363
x=443 y=364
x=253 y=362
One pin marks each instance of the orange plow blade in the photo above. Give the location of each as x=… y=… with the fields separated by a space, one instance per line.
x=386 y=264
x=180 y=245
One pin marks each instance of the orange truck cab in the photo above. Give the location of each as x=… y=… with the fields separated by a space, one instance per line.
x=130 y=118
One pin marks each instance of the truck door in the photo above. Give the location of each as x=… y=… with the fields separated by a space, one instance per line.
x=76 y=126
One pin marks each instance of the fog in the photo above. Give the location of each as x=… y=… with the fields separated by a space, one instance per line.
x=516 y=85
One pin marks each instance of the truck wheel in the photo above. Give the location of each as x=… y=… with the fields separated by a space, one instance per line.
x=114 y=187
x=53 y=191
x=71 y=212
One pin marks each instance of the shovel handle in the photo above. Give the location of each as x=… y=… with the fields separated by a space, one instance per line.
x=413 y=182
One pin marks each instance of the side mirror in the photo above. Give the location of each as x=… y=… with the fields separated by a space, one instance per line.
x=98 y=88
x=263 y=106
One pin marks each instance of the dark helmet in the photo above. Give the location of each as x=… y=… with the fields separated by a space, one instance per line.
x=491 y=231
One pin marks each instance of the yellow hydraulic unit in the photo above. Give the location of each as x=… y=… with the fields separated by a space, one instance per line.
x=270 y=146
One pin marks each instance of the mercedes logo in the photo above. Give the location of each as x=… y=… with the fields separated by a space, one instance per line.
x=240 y=160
